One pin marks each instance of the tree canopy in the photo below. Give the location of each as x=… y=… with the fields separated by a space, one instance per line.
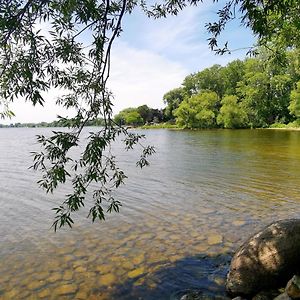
x=256 y=92
x=41 y=49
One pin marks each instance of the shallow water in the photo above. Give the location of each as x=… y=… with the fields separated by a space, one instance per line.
x=182 y=218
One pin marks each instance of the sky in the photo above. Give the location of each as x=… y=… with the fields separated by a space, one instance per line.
x=152 y=57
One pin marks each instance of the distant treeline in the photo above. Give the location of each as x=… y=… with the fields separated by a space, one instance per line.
x=256 y=92
x=57 y=123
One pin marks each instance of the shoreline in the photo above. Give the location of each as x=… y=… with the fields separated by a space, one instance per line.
x=285 y=128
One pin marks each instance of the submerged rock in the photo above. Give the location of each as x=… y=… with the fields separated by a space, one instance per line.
x=198 y=295
x=266 y=260
x=107 y=279
x=214 y=239
x=136 y=272
x=293 y=287
x=266 y=295
x=66 y=289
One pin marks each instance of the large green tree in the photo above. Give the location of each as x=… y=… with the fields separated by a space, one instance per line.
x=294 y=106
x=172 y=99
x=232 y=114
x=198 y=111
x=33 y=62
x=129 y=116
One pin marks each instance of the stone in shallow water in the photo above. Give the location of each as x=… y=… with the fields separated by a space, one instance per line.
x=238 y=223
x=80 y=269
x=137 y=272
x=107 y=279
x=81 y=295
x=54 y=277
x=53 y=265
x=201 y=248
x=127 y=265
x=103 y=269
x=25 y=295
x=66 y=289
x=42 y=275
x=140 y=281
x=197 y=295
x=44 y=293
x=34 y=285
x=11 y=294
x=68 y=275
x=207 y=210
x=68 y=258
x=138 y=259
x=174 y=258
x=219 y=281
x=214 y=239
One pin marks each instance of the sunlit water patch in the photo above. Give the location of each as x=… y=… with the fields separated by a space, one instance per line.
x=182 y=218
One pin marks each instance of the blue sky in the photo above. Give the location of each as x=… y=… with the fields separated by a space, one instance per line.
x=153 y=56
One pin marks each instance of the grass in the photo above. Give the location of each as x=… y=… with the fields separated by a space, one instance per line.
x=160 y=125
x=291 y=125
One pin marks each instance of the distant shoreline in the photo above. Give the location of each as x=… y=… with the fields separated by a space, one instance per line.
x=152 y=126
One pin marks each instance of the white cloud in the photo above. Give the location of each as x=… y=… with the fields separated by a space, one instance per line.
x=25 y=112
x=142 y=77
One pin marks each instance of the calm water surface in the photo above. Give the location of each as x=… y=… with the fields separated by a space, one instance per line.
x=182 y=218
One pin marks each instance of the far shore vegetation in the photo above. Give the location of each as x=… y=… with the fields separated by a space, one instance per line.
x=258 y=92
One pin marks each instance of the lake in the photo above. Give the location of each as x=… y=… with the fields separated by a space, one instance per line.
x=182 y=218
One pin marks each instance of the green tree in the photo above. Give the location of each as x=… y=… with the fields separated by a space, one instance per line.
x=145 y=113
x=129 y=116
x=210 y=79
x=232 y=114
x=133 y=118
x=232 y=74
x=294 y=106
x=33 y=62
x=264 y=91
x=198 y=111
x=173 y=99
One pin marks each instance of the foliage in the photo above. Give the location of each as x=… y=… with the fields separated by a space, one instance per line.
x=271 y=21
x=173 y=99
x=160 y=125
x=129 y=116
x=42 y=49
x=278 y=125
x=138 y=116
x=294 y=106
x=198 y=111
x=210 y=79
x=232 y=114
x=253 y=93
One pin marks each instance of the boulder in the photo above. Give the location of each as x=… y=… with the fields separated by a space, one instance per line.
x=283 y=296
x=266 y=260
x=293 y=287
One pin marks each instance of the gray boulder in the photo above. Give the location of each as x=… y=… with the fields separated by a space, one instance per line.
x=268 y=259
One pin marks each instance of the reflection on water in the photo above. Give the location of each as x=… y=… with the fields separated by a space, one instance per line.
x=181 y=220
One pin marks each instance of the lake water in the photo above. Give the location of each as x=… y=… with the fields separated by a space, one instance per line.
x=182 y=218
